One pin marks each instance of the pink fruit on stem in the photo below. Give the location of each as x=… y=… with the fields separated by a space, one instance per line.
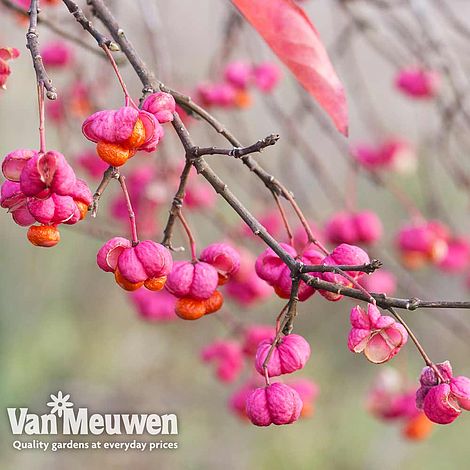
x=274 y=404
x=275 y=272
x=56 y=54
x=95 y=167
x=108 y=255
x=343 y=254
x=422 y=241
x=379 y=337
x=117 y=127
x=418 y=83
x=381 y=282
x=53 y=210
x=266 y=76
x=223 y=257
x=442 y=401
x=11 y=195
x=146 y=260
x=228 y=357
x=14 y=162
x=308 y=392
x=368 y=227
x=254 y=335
x=457 y=257
x=237 y=401
x=154 y=306
x=238 y=74
x=340 y=228
x=161 y=105
x=6 y=53
x=440 y=406
x=47 y=173
x=222 y=94
x=290 y=354
x=192 y=280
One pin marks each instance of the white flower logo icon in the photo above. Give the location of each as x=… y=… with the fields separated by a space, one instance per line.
x=59 y=403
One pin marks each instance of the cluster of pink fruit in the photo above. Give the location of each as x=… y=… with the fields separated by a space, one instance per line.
x=193 y=283
x=354 y=228
x=393 y=399
x=119 y=134
x=233 y=92
x=393 y=154
x=273 y=270
x=422 y=241
x=279 y=403
x=43 y=188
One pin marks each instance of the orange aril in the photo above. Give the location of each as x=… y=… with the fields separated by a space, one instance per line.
x=46 y=236
x=125 y=284
x=155 y=283
x=222 y=279
x=83 y=208
x=190 y=309
x=113 y=154
x=214 y=302
x=413 y=259
x=418 y=428
x=307 y=410
x=137 y=137
x=243 y=99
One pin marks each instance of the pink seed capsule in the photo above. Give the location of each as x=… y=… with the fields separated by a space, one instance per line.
x=47 y=173
x=289 y=355
x=147 y=260
x=274 y=404
x=161 y=105
x=418 y=83
x=224 y=258
x=238 y=74
x=228 y=357
x=14 y=162
x=192 y=280
x=378 y=336
x=108 y=255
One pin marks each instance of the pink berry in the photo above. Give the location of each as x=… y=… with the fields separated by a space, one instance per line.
x=379 y=337
x=224 y=258
x=14 y=162
x=266 y=76
x=108 y=255
x=47 y=173
x=146 y=260
x=418 y=82
x=56 y=54
x=289 y=355
x=254 y=335
x=238 y=74
x=274 y=404
x=192 y=280
x=161 y=105
x=154 y=306
x=228 y=357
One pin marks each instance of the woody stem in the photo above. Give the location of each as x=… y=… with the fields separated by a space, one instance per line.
x=187 y=229
x=118 y=75
x=42 y=130
x=418 y=345
x=130 y=210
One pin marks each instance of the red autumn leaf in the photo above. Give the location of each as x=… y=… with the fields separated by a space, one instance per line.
x=293 y=38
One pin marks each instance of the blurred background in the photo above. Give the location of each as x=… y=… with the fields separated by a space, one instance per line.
x=65 y=325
